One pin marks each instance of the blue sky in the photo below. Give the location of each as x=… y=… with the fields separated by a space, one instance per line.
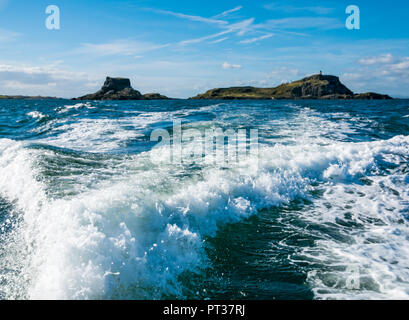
x=181 y=48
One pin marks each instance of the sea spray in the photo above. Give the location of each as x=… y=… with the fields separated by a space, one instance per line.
x=95 y=218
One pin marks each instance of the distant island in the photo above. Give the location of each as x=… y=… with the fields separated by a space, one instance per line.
x=120 y=89
x=3 y=97
x=317 y=86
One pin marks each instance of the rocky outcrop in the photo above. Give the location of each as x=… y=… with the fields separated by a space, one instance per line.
x=314 y=87
x=119 y=89
x=372 y=96
x=154 y=96
x=116 y=84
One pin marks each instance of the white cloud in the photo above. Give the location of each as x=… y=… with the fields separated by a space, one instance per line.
x=241 y=27
x=198 y=40
x=303 y=23
x=252 y=40
x=292 y=9
x=227 y=12
x=191 y=17
x=227 y=66
x=219 y=40
x=384 y=73
x=402 y=66
x=6 y=35
x=40 y=79
x=386 y=58
x=119 y=47
x=39 y=74
x=387 y=65
x=285 y=25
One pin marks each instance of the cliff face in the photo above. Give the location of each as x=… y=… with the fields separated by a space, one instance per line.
x=314 y=87
x=119 y=89
x=116 y=84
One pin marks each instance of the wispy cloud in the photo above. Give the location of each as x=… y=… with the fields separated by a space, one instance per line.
x=198 y=40
x=252 y=40
x=227 y=66
x=240 y=28
x=6 y=35
x=37 y=74
x=386 y=58
x=292 y=9
x=191 y=17
x=33 y=80
x=227 y=12
x=119 y=47
x=303 y=23
x=219 y=40
x=245 y=26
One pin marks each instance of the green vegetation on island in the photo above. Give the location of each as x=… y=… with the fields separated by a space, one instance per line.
x=314 y=87
x=317 y=86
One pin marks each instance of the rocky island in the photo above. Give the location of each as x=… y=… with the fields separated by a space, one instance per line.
x=317 y=86
x=120 y=89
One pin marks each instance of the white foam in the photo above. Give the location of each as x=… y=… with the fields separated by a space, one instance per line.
x=76 y=106
x=98 y=135
x=92 y=135
x=130 y=238
x=36 y=115
x=133 y=236
x=18 y=184
x=379 y=248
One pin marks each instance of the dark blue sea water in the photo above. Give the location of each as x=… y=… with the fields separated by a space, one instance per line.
x=320 y=212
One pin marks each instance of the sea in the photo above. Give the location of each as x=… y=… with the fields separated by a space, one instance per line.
x=92 y=208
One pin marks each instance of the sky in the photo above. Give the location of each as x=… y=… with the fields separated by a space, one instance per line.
x=182 y=48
